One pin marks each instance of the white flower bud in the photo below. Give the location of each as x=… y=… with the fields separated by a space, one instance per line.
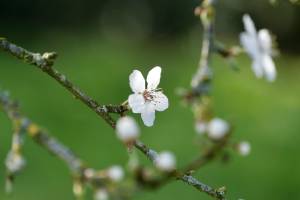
x=115 y=173
x=244 y=148
x=14 y=162
x=217 y=128
x=89 y=173
x=127 y=129
x=200 y=127
x=165 y=161
x=101 y=194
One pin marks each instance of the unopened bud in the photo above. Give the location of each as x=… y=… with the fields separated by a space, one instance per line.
x=165 y=161
x=127 y=129
x=217 y=128
x=115 y=173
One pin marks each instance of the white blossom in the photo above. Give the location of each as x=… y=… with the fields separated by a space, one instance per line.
x=89 y=172
x=217 y=128
x=147 y=99
x=127 y=129
x=115 y=173
x=258 y=45
x=244 y=148
x=14 y=162
x=200 y=127
x=101 y=194
x=165 y=161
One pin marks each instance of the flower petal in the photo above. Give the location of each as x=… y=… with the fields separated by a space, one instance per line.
x=265 y=41
x=250 y=44
x=137 y=81
x=153 y=78
x=136 y=102
x=160 y=101
x=148 y=114
x=269 y=68
x=249 y=25
x=257 y=68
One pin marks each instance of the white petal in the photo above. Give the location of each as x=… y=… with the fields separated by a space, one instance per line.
x=257 y=68
x=137 y=81
x=160 y=101
x=153 y=78
x=136 y=102
x=249 y=25
x=265 y=41
x=148 y=114
x=269 y=68
x=250 y=44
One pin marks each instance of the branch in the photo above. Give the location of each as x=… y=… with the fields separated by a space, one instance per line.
x=45 y=62
x=81 y=173
x=200 y=81
x=207 y=156
x=197 y=163
x=190 y=180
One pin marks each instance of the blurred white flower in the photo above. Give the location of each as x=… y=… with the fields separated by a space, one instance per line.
x=101 y=194
x=258 y=45
x=165 y=161
x=217 y=128
x=115 y=173
x=127 y=129
x=89 y=172
x=147 y=100
x=14 y=162
x=244 y=148
x=200 y=127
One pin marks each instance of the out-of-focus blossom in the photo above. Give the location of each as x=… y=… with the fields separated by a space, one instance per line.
x=101 y=194
x=200 y=127
x=217 y=128
x=244 y=148
x=147 y=100
x=14 y=162
x=127 y=129
x=115 y=173
x=258 y=45
x=165 y=161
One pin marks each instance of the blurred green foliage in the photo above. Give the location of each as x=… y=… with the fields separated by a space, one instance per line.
x=265 y=114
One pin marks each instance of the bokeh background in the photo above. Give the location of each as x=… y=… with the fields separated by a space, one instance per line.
x=101 y=41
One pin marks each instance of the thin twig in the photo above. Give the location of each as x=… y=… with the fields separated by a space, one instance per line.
x=51 y=144
x=45 y=62
x=207 y=156
x=200 y=81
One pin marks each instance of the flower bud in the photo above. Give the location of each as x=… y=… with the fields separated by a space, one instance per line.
x=165 y=161
x=127 y=129
x=244 y=148
x=101 y=194
x=200 y=127
x=217 y=128
x=14 y=162
x=115 y=173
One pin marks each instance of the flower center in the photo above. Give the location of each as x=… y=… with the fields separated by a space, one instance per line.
x=148 y=95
